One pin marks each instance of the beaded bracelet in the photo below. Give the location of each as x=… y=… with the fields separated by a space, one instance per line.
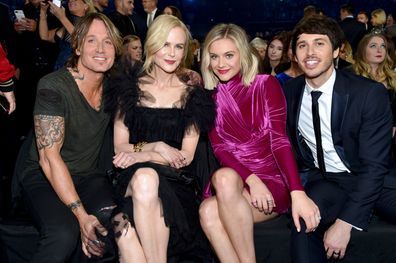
x=138 y=147
x=74 y=205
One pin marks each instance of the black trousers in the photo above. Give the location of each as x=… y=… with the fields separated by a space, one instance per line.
x=58 y=227
x=330 y=195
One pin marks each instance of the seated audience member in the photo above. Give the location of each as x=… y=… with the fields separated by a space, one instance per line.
x=151 y=10
x=362 y=17
x=391 y=29
x=340 y=126
x=293 y=71
x=378 y=19
x=100 y=5
x=126 y=20
x=62 y=35
x=7 y=72
x=258 y=179
x=173 y=11
x=276 y=56
x=373 y=61
x=159 y=114
x=64 y=190
x=390 y=20
x=345 y=58
x=193 y=60
x=132 y=48
x=353 y=30
x=260 y=45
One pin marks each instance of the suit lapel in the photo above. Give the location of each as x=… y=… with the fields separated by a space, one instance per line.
x=299 y=95
x=338 y=110
x=303 y=148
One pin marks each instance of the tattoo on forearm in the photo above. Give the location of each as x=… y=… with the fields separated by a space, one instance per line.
x=49 y=130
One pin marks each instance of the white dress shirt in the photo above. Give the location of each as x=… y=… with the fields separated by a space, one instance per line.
x=332 y=161
x=150 y=17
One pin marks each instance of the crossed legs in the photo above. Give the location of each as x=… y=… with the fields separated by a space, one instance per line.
x=148 y=241
x=227 y=218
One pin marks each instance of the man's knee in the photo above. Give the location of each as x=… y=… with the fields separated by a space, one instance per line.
x=60 y=241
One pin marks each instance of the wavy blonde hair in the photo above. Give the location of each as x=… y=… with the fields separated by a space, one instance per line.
x=157 y=35
x=385 y=71
x=380 y=17
x=249 y=61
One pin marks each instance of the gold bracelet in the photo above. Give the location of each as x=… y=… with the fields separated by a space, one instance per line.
x=138 y=147
x=74 y=205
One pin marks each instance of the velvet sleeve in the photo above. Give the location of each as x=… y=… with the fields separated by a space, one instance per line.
x=280 y=145
x=226 y=158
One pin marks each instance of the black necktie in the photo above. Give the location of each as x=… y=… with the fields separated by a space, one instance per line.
x=318 y=137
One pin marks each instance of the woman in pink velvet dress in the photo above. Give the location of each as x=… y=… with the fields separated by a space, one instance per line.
x=258 y=178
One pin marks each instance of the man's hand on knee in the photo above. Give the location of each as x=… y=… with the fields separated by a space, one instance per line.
x=336 y=239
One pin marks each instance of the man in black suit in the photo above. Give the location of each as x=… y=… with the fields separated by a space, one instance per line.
x=151 y=9
x=353 y=29
x=343 y=154
x=126 y=20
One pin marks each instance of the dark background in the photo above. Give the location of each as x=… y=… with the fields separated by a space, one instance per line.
x=262 y=15
x=268 y=16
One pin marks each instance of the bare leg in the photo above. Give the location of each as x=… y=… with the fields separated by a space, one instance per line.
x=236 y=216
x=235 y=213
x=128 y=244
x=214 y=230
x=149 y=223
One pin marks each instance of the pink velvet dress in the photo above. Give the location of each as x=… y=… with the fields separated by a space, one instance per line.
x=250 y=136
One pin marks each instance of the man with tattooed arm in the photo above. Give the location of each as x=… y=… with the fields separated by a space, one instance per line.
x=65 y=192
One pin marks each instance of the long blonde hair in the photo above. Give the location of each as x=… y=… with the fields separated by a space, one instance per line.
x=157 y=35
x=249 y=61
x=385 y=71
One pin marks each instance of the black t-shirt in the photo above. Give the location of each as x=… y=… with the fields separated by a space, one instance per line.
x=59 y=95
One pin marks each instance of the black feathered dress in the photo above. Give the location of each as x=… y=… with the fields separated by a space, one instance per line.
x=179 y=199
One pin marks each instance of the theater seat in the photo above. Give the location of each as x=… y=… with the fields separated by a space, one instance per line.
x=18 y=240
x=272 y=242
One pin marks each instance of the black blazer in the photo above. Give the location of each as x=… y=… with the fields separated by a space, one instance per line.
x=353 y=31
x=361 y=123
x=157 y=13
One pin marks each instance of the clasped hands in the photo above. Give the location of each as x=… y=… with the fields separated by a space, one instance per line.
x=91 y=245
x=176 y=158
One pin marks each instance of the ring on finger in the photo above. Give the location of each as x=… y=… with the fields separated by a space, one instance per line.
x=96 y=242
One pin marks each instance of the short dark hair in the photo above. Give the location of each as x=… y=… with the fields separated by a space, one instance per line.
x=310 y=10
x=321 y=25
x=349 y=8
x=363 y=13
